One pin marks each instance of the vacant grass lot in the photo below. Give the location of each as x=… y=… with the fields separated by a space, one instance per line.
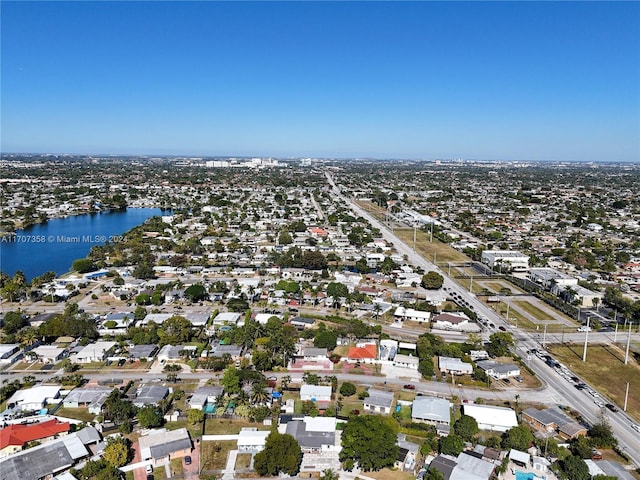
x=214 y=454
x=388 y=474
x=223 y=426
x=444 y=252
x=81 y=414
x=606 y=371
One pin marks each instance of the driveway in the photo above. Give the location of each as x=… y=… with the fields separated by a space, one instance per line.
x=191 y=471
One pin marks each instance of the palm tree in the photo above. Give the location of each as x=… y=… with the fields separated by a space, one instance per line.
x=28 y=336
x=258 y=393
x=329 y=474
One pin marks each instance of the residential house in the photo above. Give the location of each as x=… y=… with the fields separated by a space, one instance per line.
x=34 y=398
x=378 y=401
x=431 y=410
x=48 y=353
x=48 y=459
x=143 y=352
x=452 y=321
x=302 y=322
x=553 y=419
x=488 y=417
x=313 y=434
x=91 y=398
x=406 y=361
x=499 y=370
x=454 y=366
x=150 y=395
x=94 y=352
x=315 y=393
x=164 y=445
x=470 y=467
x=402 y=314
x=363 y=352
x=252 y=440
x=15 y=436
x=205 y=398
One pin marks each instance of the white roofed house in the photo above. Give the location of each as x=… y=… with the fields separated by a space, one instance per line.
x=454 y=321
x=431 y=410
x=34 y=398
x=497 y=419
x=402 y=314
x=315 y=393
x=454 y=366
x=378 y=401
x=406 y=361
x=498 y=370
x=94 y=352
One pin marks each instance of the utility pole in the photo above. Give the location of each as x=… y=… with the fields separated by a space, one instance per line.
x=626 y=353
x=626 y=397
x=415 y=229
x=471 y=285
x=586 y=340
x=507 y=311
x=615 y=335
x=544 y=337
x=449 y=274
x=431 y=234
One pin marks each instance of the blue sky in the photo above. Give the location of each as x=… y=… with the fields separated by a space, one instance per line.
x=505 y=80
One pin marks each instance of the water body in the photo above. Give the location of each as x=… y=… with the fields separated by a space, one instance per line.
x=54 y=245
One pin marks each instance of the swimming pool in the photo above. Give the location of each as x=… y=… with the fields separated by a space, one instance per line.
x=527 y=476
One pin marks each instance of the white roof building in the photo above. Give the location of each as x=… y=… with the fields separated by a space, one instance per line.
x=402 y=314
x=497 y=419
x=34 y=398
x=252 y=440
x=431 y=410
x=454 y=365
x=516 y=261
x=317 y=393
x=94 y=352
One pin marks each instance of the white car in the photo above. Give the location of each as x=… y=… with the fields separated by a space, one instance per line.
x=599 y=403
x=149 y=469
x=584 y=328
x=636 y=427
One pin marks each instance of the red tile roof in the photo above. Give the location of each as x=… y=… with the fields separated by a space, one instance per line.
x=17 y=434
x=359 y=353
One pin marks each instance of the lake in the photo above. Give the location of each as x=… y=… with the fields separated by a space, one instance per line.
x=54 y=245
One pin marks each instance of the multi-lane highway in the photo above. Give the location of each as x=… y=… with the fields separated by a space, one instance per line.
x=557 y=389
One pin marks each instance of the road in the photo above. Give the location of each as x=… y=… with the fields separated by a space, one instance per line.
x=557 y=390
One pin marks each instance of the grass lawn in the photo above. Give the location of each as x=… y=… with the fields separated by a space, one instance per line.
x=176 y=466
x=214 y=454
x=223 y=426
x=348 y=405
x=243 y=461
x=605 y=370
x=444 y=252
x=531 y=309
x=194 y=430
x=76 y=413
x=388 y=474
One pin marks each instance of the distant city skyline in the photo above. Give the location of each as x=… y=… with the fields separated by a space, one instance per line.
x=554 y=81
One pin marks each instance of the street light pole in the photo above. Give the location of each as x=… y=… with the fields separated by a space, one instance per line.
x=626 y=353
x=586 y=340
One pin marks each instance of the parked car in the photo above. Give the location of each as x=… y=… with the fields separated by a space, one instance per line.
x=636 y=427
x=518 y=379
x=149 y=469
x=408 y=386
x=187 y=460
x=611 y=407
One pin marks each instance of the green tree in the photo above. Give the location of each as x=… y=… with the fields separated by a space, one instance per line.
x=573 y=468
x=466 y=428
x=581 y=447
x=281 y=454
x=602 y=436
x=347 y=389
x=432 y=281
x=519 y=437
x=117 y=452
x=434 y=474
x=196 y=293
x=175 y=330
x=149 y=417
x=500 y=344
x=329 y=474
x=83 y=265
x=326 y=339
x=370 y=442
x=451 y=445
x=195 y=415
